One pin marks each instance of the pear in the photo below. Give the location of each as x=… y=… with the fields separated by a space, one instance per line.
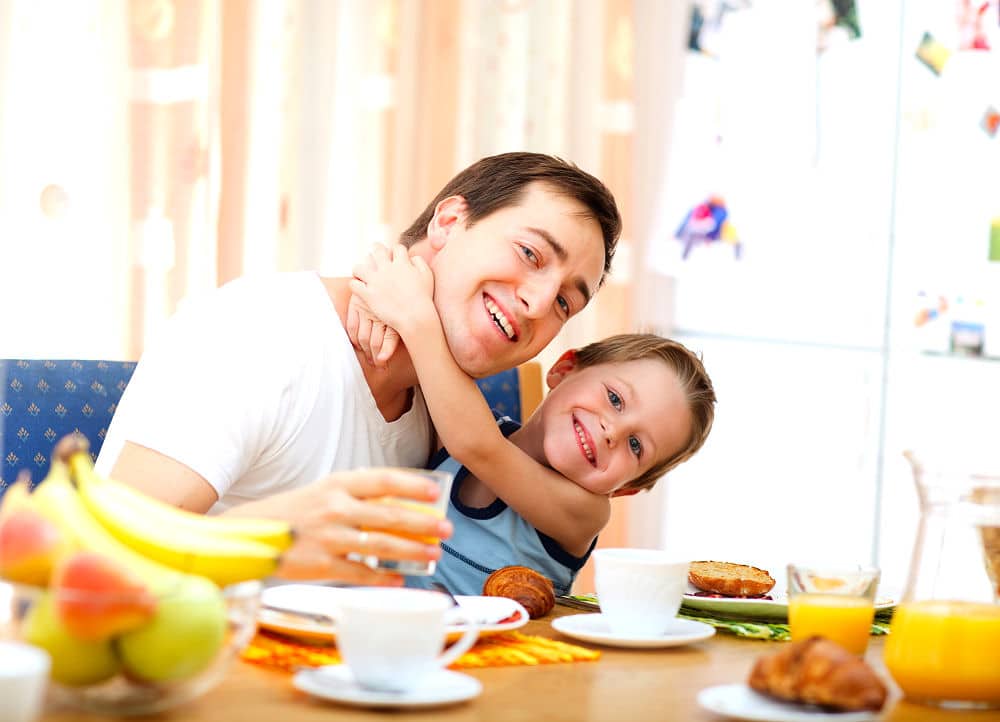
x=75 y=661
x=183 y=637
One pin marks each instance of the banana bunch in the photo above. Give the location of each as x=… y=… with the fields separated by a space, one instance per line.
x=224 y=549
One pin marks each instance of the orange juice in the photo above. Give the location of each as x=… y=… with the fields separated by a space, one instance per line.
x=418 y=506
x=946 y=651
x=847 y=620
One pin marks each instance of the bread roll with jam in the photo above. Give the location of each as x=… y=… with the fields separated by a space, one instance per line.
x=732 y=580
x=524 y=585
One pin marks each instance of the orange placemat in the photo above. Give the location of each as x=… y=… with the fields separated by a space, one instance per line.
x=276 y=651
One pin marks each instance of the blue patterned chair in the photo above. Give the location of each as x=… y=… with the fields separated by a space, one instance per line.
x=42 y=401
x=514 y=393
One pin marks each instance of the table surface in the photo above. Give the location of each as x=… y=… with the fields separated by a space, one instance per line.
x=624 y=684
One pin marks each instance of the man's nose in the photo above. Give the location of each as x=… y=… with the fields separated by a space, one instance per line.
x=538 y=295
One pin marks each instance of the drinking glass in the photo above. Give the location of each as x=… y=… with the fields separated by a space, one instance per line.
x=437 y=508
x=833 y=602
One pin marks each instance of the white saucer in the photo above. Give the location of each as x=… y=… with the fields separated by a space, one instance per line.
x=740 y=702
x=335 y=682
x=594 y=628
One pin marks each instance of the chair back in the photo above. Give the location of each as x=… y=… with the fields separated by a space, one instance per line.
x=515 y=393
x=42 y=401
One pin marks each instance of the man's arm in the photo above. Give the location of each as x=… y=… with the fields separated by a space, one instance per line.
x=394 y=290
x=164 y=478
x=326 y=516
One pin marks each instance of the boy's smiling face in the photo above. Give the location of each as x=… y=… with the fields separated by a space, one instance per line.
x=605 y=425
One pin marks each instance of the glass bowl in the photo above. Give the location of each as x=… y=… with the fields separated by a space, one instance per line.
x=181 y=651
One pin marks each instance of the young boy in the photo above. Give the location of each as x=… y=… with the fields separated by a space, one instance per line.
x=621 y=412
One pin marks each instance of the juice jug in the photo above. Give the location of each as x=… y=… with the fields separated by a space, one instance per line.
x=944 y=644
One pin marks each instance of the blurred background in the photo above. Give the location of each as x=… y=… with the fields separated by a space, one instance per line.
x=809 y=187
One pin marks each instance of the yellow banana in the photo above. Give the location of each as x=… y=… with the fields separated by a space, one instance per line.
x=58 y=500
x=156 y=513
x=223 y=559
x=17 y=495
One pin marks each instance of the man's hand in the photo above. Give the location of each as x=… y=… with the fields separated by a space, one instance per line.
x=339 y=518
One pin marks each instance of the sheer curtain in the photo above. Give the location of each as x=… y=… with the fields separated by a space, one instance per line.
x=153 y=149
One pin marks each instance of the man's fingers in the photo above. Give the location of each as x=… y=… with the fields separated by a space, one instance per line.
x=369 y=483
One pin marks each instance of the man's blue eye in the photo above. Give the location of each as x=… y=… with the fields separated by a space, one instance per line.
x=635 y=445
x=615 y=399
x=529 y=254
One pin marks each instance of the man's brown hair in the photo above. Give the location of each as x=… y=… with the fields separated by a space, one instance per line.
x=499 y=181
x=691 y=374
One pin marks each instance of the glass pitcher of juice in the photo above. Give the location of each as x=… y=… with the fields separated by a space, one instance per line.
x=944 y=644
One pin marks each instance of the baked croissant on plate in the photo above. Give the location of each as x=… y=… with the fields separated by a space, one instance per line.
x=522 y=584
x=821 y=672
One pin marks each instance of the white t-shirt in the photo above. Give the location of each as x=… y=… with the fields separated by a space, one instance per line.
x=256 y=387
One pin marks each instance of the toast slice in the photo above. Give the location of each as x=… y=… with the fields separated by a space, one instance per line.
x=733 y=580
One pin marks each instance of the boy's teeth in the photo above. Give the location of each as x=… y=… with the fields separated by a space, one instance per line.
x=500 y=319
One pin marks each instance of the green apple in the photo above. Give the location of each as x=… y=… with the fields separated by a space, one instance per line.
x=182 y=638
x=74 y=661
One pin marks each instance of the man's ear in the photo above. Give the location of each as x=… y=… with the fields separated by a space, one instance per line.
x=624 y=491
x=565 y=364
x=452 y=210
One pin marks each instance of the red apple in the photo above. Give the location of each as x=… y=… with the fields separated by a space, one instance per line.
x=98 y=597
x=30 y=546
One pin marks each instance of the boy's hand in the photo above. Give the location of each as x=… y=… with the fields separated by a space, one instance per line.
x=396 y=289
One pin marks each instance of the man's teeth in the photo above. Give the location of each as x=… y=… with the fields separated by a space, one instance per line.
x=583 y=441
x=500 y=319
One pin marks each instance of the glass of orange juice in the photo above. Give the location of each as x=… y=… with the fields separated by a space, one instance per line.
x=437 y=508
x=833 y=602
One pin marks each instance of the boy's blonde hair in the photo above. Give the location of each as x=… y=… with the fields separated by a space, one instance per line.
x=691 y=374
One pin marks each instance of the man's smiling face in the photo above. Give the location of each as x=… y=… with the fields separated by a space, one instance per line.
x=505 y=286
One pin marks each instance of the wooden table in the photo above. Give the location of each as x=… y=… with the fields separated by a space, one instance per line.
x=623 y=685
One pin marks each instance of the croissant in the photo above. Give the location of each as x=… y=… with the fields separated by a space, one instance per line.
x=524 y=585
x=819 y=671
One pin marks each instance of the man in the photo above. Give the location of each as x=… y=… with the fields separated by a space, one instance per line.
x=250 y=399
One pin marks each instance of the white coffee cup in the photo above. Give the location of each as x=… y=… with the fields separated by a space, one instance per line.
x=639 y=590
x=24 y=674
x=391 y=639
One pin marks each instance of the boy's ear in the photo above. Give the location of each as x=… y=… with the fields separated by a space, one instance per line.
x=447 y=213
x=565 y=364
x=625 y=491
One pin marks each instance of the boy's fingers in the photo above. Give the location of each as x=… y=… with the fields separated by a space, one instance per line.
x=389 y=344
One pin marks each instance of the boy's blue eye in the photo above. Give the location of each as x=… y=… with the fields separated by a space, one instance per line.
x=635 y=445
x=563 y=304
x=615 y=399
x=529 y=254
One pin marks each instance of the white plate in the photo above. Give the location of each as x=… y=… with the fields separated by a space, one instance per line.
x=594 y=628
x=775 y=609
x=308 y=599
x=336 y=683
x=740 y=702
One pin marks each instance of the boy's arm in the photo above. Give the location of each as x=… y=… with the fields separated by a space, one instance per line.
x=396 y=290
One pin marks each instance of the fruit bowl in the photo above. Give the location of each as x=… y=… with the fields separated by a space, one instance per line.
x=177 y=653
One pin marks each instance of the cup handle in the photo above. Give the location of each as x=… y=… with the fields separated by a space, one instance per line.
x=460 y=647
